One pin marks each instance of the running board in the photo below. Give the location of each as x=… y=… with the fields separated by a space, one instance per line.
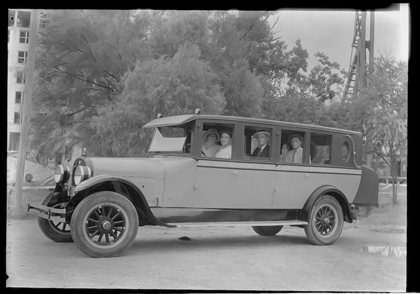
x=244 y=223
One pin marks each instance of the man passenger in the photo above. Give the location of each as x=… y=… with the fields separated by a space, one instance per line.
x=263 y=149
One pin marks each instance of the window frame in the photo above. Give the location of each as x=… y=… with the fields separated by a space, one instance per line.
x=25 y=37
x=339 y=141
x=199 y=134
x=17 y=114
x=322 y=133
x=23 y=77
x=305 y=144
x=273 y=144
x=24 y=58
x=19 y=24
x=20 y=98
x=174 y=153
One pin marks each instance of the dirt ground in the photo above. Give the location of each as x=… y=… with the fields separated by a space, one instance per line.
x=370 y=256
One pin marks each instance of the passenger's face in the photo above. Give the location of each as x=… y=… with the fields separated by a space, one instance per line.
x=344 y=151
x=262 y=140
x=211 y=139
x=225 y=139
x=295 y=142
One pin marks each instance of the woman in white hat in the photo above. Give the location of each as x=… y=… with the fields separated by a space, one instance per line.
x=210 y=146
x=226 y=149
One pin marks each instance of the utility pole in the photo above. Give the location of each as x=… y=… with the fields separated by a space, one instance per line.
x=359 y=69
x=20 y=209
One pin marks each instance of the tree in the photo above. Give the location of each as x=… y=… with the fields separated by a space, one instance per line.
x=82 y=58
x=169 y=86
x=387 y=122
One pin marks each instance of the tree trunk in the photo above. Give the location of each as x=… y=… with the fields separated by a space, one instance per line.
x=394 y=175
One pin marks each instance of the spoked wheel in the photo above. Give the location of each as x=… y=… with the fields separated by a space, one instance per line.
x=104 y=224
x=56 y=231
x=325 y=222
x=267 y=230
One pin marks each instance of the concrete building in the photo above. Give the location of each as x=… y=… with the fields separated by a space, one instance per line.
x=18 y=48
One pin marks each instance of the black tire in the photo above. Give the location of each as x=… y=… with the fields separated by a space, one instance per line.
x=325 y=222
x=267 y=230
x=56 y=231
x=104 y=214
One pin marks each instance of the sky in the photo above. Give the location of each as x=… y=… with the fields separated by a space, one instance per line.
x=331 y=32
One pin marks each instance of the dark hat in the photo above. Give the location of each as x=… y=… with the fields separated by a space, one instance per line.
x=262 y=132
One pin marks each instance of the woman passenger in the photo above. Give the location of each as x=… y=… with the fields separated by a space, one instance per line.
x=295 y=155
x=210 y=146
x=226 y=149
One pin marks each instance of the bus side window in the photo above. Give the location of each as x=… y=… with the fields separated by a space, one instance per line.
x=292 y=146
x=320 y=149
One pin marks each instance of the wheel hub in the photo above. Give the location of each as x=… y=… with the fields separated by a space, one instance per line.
x=106 y=225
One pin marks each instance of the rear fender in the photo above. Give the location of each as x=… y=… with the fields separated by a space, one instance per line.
x=118 y=185
x=367 y=194
x=330 y=190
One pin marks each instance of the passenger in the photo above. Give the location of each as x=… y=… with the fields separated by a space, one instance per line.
x=263 y=149
x=345 y=152
x=283 y=153
x=210 y=146
x=226 y=149
x=295 y=155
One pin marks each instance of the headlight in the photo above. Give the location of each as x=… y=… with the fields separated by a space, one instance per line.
x=81 y=173
x=61 y=174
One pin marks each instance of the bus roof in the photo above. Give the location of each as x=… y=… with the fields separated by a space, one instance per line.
x=182 y=119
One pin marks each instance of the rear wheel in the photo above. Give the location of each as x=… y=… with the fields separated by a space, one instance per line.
x=267 y=230
x=56 y=231
x=104 y=224
x=325 y=222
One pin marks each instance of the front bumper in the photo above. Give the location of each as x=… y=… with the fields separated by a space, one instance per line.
x=49 y=213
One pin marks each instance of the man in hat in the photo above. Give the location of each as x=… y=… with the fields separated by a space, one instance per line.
x=263 y=149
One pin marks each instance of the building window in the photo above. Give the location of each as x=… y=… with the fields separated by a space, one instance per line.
x=23 y=19
x=20 y=77
x=17 y=118
x=22 y=56
x=11 y=17
x=18 y=97
x=14 y=141
x=43 y=23
x=24 y=37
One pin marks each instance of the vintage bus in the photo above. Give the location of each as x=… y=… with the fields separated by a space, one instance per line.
x=217 y=170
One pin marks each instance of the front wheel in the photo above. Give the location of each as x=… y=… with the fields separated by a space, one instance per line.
x=267 y=230
x=325 y=222
x=56 y=231
x=104 y=224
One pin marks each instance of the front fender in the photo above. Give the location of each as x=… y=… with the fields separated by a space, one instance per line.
x=118 y=185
